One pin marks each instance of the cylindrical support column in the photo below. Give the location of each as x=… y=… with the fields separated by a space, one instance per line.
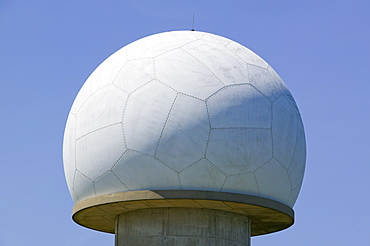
x=182 y=226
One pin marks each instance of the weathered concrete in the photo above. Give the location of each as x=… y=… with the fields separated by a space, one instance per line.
x=267 y=216
x=182 y=226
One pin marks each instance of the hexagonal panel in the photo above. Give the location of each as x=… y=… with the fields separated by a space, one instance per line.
x=202 y=175
x=185 y=134
x=246 y=55
x=273 y=181
x=135 y=74
x=284 y=130
x=103 y=108
x=107 y=184
x=239 y=106
x=82 y=186
x=229 y=68
x=94 y=158
x=242 y=183
x=145 y=115
x=141 y=172
x=186 y=74
x=158 y=44
x=263 y=80
x=237 y=151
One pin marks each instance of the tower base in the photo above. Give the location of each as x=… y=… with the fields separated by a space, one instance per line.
x=182 y=227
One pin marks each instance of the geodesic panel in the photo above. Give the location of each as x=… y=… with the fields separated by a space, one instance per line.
x=145 y=114
x=82 y=187
x=185 y=134
x=107 y=71
x=296 y=170
x=273 y=181
x=102 y=76
x=186 y=74
x=266 y=83
x=202 y=174
x=239 y=106
x=212 y=38
x=241 y=183
x=294 y=194
x=158 y=44
x=225 y=65
x=139 y=172
x=284 y=130
x=103 y=108
x=94 y=158
x=239 y=150
x=108 y=183
x=134 y=74
x=248 y=56
x=278 y=80
x=69 y=151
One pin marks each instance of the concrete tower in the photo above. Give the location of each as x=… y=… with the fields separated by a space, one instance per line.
x=184 y=138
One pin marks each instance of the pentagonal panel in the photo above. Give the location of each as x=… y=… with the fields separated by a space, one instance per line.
x=273 y=181
x=242 y=183
x=284 y=130
x=158 y=44
x=265 y=82
x=69 y=150
x=108 y=183
x=229 y=68
x=239 y=106
x=237 y=151
x=82 y=187
x=101 y=109
x=185 y=134
x=186 y=74
x=135 y=74
x=141 y=172
x=246 y=55
x=145 y=115
x=202 y=175
x=94 y=158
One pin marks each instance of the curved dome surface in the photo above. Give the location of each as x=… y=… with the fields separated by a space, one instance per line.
x=185 y=110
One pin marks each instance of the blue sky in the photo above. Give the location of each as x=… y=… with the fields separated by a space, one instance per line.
x=320 y=48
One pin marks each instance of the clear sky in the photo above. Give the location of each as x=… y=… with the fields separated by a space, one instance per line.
x=320 y=48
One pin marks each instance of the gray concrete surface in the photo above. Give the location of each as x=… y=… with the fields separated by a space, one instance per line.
x=182 y=227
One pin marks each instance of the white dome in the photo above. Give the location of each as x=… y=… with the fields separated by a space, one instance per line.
x=185 y=110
